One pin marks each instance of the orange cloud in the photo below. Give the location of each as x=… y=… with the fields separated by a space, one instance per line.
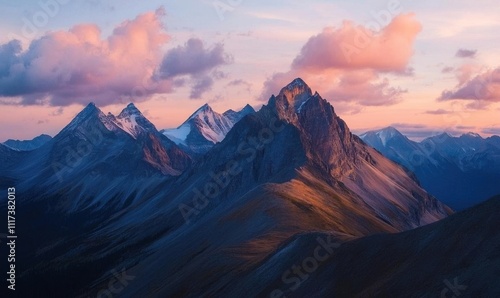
x=348 y=62
x=356 y=47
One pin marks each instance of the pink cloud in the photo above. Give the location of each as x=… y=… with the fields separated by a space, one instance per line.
x=483 y=87
x=365 y=88
x=348 y=63
x=78 y=65
x=356 y=47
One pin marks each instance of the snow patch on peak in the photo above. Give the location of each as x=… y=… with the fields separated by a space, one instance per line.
x=128 y=124
x=132 y=121
x=299 y=109
x=203 y=110
x=387 y=134
x=383 y=135
x=178 y=135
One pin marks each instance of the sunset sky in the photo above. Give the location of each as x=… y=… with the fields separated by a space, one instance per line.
x=423 y=67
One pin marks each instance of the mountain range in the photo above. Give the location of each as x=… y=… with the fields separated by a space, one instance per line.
x=227 y=204
x=205 y=128
x=28 y=145
x=460 y=171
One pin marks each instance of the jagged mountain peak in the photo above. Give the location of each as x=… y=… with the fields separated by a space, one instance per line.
x=132 y=121
x=201 y=111
x=385 y=139
x=389 y=132
x=206 y=106
x=296 y=83
x=90 y=108
x=247 y=109
x=90 y=111
x=471 y=135
x=130 y=109
x=390 y=129
x=237 y=116
x=290 y=100
x=295 y=94
x=445 y=134
x=439 y=138
x=383 y=135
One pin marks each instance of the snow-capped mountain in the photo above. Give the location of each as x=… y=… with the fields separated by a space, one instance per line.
x=204 y=128
x=460 y=171
x=94 y=146
x=130 y=120
x=28 y=145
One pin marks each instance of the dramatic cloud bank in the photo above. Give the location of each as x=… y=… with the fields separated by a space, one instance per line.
x=349 y=62
x=78 y=66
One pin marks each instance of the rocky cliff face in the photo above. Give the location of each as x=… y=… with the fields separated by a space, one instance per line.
x=331 y=147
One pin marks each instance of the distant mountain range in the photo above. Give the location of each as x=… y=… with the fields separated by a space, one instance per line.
x=28 y=145
x=226 y=205
x=459 y=171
